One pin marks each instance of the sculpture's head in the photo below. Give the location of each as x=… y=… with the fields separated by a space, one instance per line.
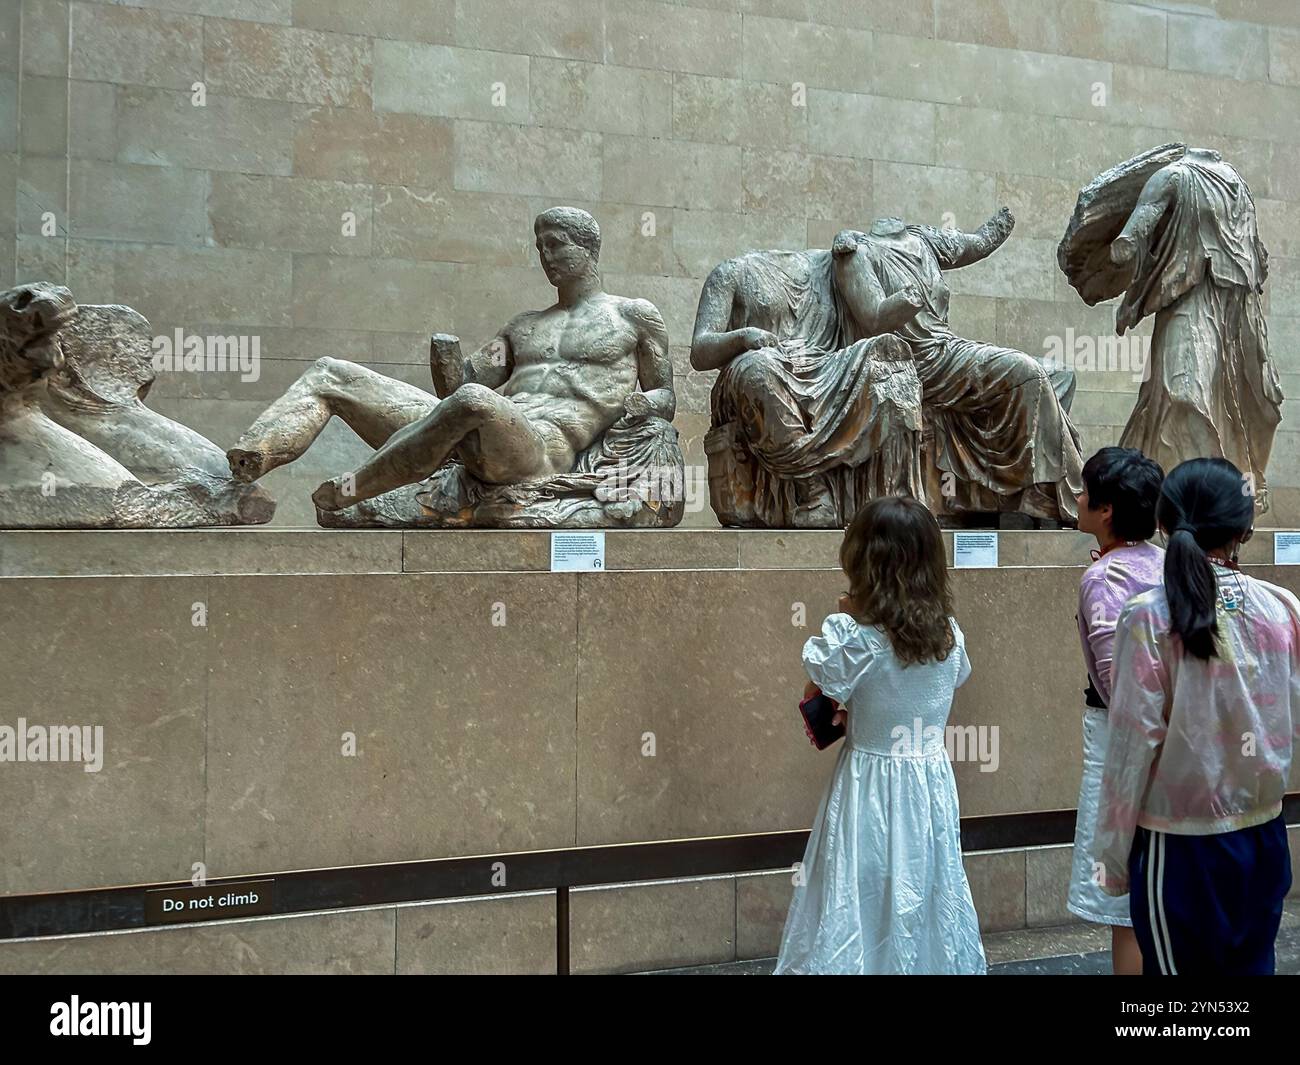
x=30 y=319
x=568 y=243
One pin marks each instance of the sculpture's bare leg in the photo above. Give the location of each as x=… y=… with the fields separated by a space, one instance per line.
x=373 y=406
x=509 y=448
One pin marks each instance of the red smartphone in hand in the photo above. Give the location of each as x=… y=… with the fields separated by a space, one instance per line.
x=817 y=711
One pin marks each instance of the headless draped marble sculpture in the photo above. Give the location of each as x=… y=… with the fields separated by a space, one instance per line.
x=1173 y=231
x=834 y=363
x=544 y=426
x=78 y=447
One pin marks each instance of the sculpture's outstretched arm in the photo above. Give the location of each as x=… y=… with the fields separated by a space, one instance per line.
x=654 y=366
x=714 y=344
x=490 y=366
x=956 y=249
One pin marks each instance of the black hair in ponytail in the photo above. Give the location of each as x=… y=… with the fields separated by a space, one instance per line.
x=1204 y=504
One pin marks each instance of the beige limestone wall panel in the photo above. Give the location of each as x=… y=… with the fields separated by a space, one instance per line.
x=1090 y=29
x=491 y=936
x=740 y=707
x=1047 y=886
x=947 y=72
x=44 y=36
x=1149 y=96
x=934 y=195
x=790 y=52
x=600 y=97
x=351 y=292
x=1215 y=46
x=823 y=186
x=451 y=226
x=417 y=20
x=731 y=111
x=43 y=116
x=680 y=174
x=277 y=11
x=92 y=121
x=163 y=127
x=42 y=188
x=997 y=887
x=347 y=144
x=274 y=372
x=570 y=29
x=1284 y=56
x=717 y=693
x=659 y=925
x=464 y=728
x=280 y=63
x=871 y=127
x=433 y=79
x=197 y=552
x=135 y=46
x=239 y=286
x=527 y=160
x=8 y=196
x=662 y=36
x=121 y=654
x=145 y=204
x=1269 y=12
x=290 y=214
x=359 y=943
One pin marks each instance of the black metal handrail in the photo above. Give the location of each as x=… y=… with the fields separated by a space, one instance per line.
x=112 y=909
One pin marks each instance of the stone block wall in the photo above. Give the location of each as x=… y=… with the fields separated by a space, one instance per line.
x=362 y=174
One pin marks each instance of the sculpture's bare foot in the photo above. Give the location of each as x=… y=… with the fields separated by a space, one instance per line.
x=331 y=496
x=246 y=465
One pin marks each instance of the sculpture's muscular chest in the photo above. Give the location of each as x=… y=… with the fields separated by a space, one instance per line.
x=592 y=335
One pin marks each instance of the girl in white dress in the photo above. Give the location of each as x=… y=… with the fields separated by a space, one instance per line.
x=882 y=888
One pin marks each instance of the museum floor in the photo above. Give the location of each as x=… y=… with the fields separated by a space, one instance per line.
x=1067 y=950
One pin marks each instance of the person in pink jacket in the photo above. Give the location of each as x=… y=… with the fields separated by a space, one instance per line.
x=1118 y=507
x=1205 y=699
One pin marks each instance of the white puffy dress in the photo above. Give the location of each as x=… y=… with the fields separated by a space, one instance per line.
x=883 y=889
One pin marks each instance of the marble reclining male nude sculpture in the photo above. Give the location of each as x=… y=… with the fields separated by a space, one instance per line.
x=562 y=419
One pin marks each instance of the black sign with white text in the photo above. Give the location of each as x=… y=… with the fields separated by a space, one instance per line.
x=207 y=902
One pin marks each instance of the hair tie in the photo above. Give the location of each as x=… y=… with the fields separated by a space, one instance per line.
x=1182 y=526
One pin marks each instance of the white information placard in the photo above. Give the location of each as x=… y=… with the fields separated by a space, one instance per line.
x=975 y=550
x=1286 y=549
x=577 y=552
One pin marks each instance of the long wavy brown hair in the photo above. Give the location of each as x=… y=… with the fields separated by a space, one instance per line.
x=898 y=577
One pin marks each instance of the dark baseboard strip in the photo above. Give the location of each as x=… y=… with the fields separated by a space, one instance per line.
x=310 y=890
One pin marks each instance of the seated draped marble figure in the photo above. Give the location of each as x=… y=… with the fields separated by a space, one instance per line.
x=997 y=432
x=811 y=417
x=78 y=447
x=1173 y=232
x=543 y=426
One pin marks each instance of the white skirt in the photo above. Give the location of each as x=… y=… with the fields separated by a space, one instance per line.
x=883 y=888
x=1086 y=898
